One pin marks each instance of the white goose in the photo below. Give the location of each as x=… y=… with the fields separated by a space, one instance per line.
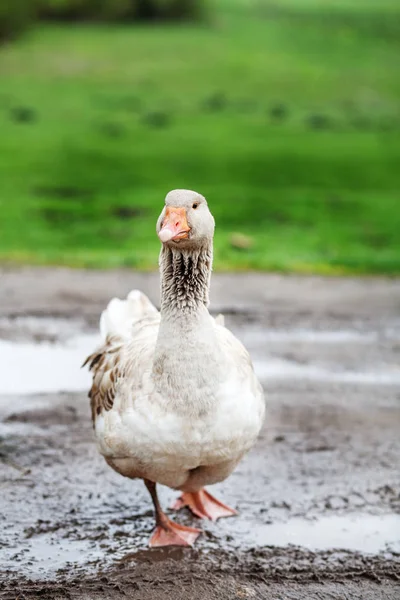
x=174 y=397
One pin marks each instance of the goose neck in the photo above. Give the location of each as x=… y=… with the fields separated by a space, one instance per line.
x=185 y=280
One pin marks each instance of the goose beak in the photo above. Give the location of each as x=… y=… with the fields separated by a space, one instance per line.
x=174 y=226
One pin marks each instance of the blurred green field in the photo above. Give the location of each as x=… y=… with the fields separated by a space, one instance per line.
x=286 y=115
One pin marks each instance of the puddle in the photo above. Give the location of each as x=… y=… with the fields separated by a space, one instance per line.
x=285 y=369
x=362 y=533
x=256 y=335
x=23 y=329
x=51 y=352
x=47 y=367
x=310 y=336
x=42 y=555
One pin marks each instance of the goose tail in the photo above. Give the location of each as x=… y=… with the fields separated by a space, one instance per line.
x=118 y=317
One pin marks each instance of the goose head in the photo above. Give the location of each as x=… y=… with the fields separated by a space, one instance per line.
x=186 y=220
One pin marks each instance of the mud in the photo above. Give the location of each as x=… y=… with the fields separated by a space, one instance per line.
x=319 y=495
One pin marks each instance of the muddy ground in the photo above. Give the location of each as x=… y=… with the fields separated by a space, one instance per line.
x=319 y=495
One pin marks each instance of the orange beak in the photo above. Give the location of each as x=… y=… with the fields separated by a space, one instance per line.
x=174 y=226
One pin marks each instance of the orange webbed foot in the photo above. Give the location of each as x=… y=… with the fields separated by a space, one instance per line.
x=169 y=533
x=204 y=505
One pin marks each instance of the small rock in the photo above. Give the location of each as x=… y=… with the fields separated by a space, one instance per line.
x=335 y=503
x=356 y=500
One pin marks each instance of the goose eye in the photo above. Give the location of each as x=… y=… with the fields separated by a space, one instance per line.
x=195 y=205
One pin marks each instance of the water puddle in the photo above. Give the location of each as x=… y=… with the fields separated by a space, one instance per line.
x=42 y=555
x=49 y=353
x=362 y=533
x=46 y=367
x=309 y=336
x=252 y=334
x=268 y=370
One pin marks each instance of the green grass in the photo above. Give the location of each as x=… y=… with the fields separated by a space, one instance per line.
x=286 y=115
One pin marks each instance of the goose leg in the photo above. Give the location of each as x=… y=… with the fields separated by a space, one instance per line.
x=168 y=533
x=204 y=505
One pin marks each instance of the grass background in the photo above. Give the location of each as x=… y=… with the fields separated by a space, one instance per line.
x=285 y=114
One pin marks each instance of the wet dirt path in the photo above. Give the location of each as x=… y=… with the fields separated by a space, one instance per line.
x=319 y=495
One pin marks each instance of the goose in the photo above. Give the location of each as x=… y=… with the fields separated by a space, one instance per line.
x=175 y=400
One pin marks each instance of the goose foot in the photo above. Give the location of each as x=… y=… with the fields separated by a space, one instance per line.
x=204 y=505
x=168 y=533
